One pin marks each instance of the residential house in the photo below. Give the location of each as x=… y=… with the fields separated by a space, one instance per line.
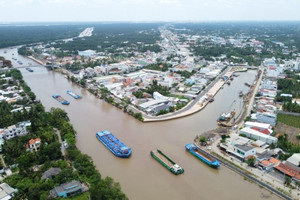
x=51 y=173
x=6 y=192
x=67 y=189
x=33 y=144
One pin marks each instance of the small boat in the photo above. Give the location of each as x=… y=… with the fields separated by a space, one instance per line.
x=228 y=82
x=241 y=94
x=75 y=96
x=202 y=155
x=247 y=84
x=211 y=100
x=29 y=69
x=166 y=162
x=60 y=99
x=226 y=116
x=113 y=144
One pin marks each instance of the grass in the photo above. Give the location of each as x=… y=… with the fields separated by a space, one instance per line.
x=290 y=120
x=83 y=196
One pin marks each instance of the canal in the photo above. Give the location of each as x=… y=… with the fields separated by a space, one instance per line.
x=140 y=176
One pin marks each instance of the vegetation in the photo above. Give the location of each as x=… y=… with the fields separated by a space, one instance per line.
x=6 y=63
x=30 y=165
x=18 y=35
x=251 y=161
x=287 y=146
x=290 y=120
x=289 y=86
x=24 y=51
x=158 y=66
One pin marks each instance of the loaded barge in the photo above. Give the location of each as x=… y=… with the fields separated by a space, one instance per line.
x=166 y=162
x=113 y=144
x=75 y=96
x=202 y=155
x=60 y=99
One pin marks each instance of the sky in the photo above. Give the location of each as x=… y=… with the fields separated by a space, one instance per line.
x=148 y=10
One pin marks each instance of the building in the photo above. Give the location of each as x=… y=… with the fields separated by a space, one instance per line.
x=242 y=152
x=67 y=189
x=16 y=130
x=51 y=173
x=266 y=117
x=33 y=144
x=86 y=53
x=251 y=133
x=257 y=125
x=6 y=192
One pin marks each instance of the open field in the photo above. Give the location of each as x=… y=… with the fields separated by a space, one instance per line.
x=292 y=132
x=289 y=120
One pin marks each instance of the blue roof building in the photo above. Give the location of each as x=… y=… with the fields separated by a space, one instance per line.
x=67 y=189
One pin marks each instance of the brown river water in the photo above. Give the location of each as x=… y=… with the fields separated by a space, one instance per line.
x=140 y=176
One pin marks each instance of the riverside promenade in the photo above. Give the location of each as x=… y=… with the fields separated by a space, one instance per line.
x=199 y=102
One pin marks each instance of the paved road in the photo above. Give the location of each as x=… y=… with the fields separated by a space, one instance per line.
x=63 y=150
x=191 y=104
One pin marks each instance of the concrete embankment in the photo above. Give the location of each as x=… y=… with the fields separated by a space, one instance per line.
x=198 y=105
x=249 y=176
x=36 y=60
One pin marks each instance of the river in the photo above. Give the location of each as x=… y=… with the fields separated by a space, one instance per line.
x=140 y=176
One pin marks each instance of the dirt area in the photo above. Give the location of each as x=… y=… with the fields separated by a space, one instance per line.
x=292 y=132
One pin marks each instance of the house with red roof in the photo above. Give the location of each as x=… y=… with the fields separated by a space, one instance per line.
x=33 y=144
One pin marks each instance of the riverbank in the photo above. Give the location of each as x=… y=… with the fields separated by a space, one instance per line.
x=198 y=106
x=36 y=60
x=194 y=106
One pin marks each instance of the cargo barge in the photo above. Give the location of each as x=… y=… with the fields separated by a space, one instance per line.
x=72 y=94
x=60 y=99
x=166 y=162
x=202 y=155
x=113 y=144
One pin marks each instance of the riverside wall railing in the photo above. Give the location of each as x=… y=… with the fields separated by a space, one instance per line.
x=234 y=168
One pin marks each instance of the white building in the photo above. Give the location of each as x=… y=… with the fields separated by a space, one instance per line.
x=6 y=192
x=16 y=130
x=251 y=133
x=258 y=125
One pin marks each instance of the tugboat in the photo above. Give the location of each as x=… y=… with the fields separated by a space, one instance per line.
x=166 y=162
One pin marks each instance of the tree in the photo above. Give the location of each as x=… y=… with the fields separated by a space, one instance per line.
x=251 y=161
x=287 y=180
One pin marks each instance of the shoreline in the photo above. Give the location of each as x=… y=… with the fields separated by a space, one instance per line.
x=198 y=104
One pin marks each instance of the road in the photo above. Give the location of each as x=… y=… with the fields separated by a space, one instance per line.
x=186 y=110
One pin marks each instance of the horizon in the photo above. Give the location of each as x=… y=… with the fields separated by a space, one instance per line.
x=148 y=11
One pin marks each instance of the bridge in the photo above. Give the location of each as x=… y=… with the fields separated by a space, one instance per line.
x=31 y=66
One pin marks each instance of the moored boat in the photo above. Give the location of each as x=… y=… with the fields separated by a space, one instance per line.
x=60 y=99
x=113 y=144
x=202 y=155
x=226 y=116
x=241 y=94
x=75 y=96
x=166 y=162
x=29 y=69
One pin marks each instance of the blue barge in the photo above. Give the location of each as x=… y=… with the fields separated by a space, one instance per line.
x=60 y=99
x=75 y=96
x=114 y=144
x=202 y=155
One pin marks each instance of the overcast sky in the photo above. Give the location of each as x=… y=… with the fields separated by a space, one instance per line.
x=148 y=10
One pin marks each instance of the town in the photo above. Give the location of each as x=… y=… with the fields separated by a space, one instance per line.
x=165 y=72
